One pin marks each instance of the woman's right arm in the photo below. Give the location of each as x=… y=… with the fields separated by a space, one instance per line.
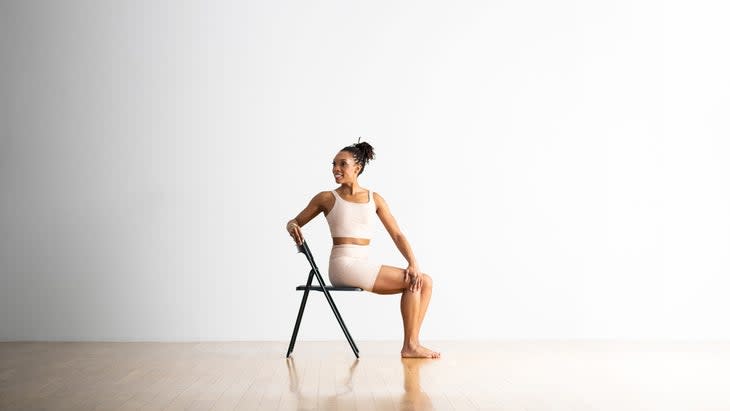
x=315 y=206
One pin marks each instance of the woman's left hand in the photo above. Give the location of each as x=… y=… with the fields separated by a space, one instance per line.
x=413 y=277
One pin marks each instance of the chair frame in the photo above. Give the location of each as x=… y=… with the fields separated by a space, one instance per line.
x=322 y=287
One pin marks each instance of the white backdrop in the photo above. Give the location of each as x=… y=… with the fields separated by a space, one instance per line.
x=560 y=168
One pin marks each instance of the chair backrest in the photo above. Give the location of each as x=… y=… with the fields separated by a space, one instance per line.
x=304 y=248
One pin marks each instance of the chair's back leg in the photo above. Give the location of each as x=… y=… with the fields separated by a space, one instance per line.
x=331 y=302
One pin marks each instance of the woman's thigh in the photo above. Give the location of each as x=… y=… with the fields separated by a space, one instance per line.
x=390 y=280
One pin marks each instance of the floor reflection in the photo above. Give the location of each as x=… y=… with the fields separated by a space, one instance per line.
x=342 y=399
x=344 y=394
x=414 y=398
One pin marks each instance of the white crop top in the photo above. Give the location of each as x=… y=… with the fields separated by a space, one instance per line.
x=348 y=219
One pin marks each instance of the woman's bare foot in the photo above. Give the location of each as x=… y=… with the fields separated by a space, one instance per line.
x=418 y=351
x=434 y=354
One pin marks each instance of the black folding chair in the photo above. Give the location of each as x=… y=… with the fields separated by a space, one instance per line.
x=322 y=287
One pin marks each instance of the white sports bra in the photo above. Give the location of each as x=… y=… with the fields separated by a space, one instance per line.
x=348 y=219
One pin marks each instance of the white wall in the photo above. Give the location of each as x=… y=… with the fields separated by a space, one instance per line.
x=559 y=167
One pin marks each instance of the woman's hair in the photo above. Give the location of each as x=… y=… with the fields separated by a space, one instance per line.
x=363 y=152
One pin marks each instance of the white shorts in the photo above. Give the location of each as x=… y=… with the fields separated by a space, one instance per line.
x=350 y=266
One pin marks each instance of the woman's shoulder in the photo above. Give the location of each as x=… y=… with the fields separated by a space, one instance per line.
x=373 y=194
x=378 y=199
x=325 y=200
x=324 y=196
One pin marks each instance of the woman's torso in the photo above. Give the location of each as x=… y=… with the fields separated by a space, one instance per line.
x=351 y=217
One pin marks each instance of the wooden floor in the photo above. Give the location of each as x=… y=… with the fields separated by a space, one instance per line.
x=508 y=375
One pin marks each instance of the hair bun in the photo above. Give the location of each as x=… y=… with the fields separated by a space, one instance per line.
x=368 y=153
x=363 y=153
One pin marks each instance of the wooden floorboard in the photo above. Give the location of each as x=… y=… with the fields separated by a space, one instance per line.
x=471 y=375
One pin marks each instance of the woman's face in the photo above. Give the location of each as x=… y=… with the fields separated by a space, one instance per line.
x=344 y=167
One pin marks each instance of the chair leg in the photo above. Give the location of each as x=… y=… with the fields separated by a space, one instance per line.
x=331 y=302
x=350 y=340
x=344 y=327
x=299 y=316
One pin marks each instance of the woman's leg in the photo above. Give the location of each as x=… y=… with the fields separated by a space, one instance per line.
x=426 y=287
x=413 y=305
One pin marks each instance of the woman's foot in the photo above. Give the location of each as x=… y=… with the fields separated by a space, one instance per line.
x=434 y=354
x=418 y=351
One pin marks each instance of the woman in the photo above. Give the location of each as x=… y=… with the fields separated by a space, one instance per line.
x=350 y=211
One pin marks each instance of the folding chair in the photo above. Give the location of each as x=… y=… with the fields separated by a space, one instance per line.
x=322 y=287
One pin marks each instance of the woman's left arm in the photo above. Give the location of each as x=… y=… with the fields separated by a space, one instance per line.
x=412 y=274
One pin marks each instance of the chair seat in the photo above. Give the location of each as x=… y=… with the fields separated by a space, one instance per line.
x=328 y=287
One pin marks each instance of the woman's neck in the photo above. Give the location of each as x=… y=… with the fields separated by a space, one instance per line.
x=350 y=188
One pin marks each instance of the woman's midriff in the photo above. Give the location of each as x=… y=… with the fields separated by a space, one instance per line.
x=350 y=240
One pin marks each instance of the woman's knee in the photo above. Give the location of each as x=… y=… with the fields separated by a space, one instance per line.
x=426 y=281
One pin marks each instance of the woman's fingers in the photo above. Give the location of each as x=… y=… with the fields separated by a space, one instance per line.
x=413 y=278
x=296 y=235
x=415 y=283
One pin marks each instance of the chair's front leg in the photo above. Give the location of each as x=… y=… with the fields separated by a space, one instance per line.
x=299 y=316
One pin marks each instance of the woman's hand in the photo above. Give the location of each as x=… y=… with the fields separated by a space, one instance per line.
x=413 y=277
x=295 y=231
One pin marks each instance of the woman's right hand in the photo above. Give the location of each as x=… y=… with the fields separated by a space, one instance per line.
x=295 y=231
